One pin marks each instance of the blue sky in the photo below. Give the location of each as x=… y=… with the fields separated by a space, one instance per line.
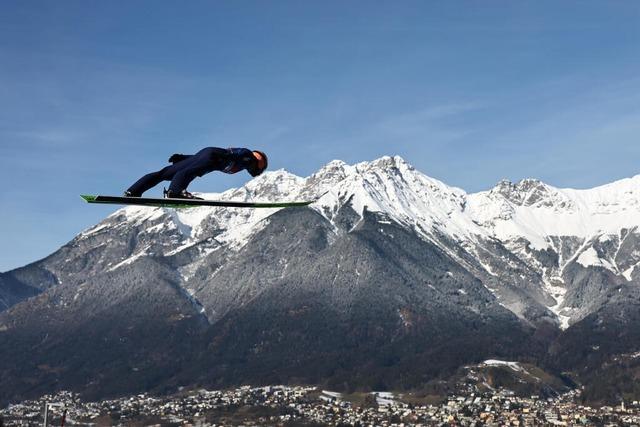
x=94 y=94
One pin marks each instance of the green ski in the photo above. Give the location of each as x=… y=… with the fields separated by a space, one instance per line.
x=187 y=203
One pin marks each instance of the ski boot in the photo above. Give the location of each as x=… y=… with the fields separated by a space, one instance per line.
x=184 y=194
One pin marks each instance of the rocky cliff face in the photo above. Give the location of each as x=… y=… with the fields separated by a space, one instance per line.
x=389 y=279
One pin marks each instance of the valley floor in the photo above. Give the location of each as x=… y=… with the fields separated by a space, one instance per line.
x=291 y=405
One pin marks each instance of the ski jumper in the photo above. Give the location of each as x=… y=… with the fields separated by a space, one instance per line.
x=182 y=172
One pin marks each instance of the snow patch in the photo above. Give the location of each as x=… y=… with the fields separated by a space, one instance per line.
x=186 y=245
x=513 y=365
x=93 y=230
x=330 y=396
x=384 y=398
x=131 y=259
x=590 y=258
x=628 y=273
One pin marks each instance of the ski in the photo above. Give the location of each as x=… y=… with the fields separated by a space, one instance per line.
x=187 y=203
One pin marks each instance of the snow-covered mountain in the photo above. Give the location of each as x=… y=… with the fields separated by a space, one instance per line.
x=547 y=232
x=387 y=259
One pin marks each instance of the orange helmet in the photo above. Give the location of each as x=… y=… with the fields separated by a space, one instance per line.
x=261 y=163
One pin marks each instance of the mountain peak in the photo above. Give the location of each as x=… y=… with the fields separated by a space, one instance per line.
x=278 y=183
x=329 y=175
x=335 y=164
x=386 y=162
x=527 y=192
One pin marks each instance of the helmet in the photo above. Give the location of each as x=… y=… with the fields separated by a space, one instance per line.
x=260 y=164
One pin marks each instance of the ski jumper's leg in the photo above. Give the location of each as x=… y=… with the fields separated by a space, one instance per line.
x=183 y=177
x=152 y=179
x=202 y=163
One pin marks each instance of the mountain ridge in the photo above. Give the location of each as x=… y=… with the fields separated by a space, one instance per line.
x=508 y=212
x=430 y=203
x=389 y=263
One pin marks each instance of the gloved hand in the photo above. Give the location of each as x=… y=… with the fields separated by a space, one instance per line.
x=175 y=158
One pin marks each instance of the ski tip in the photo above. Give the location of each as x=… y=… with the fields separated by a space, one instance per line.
x=88 y=198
